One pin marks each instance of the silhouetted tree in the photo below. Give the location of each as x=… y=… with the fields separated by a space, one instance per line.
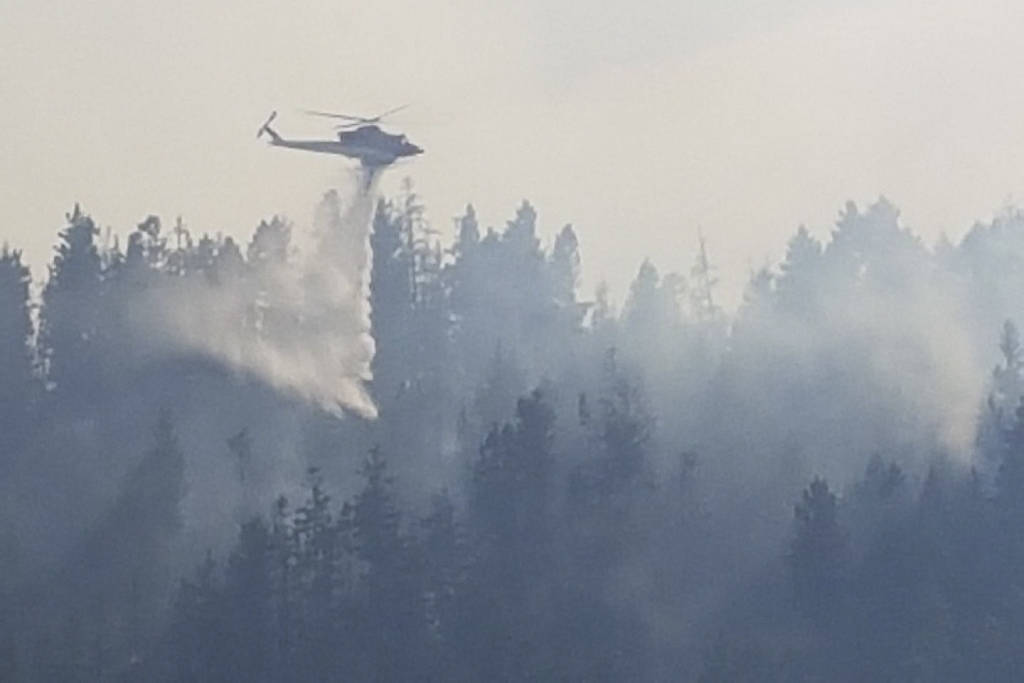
x=508 y=516
x=250 y=621
x=391 y=300
x=71 y=317
x=445 y=562
x=818 y=554
x=271 y=243
x=393 y=622
x=18 y=389
x=801 y=272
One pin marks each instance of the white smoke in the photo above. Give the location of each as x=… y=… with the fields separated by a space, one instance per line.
x=301 y=325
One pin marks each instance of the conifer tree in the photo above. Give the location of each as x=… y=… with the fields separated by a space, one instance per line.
x=271 y=244
x=444 y=560
x=509 y=516
x=565 y=266
x=653 y=306
x=393 y=625
x=248 y=606
x=391 y=302
x=17 y=382
x=798 y=284
x=998 y=411
x=818 y=554
x=702 y=288
x=70 y=320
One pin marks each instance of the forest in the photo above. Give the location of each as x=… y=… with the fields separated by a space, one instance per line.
x=526 y=481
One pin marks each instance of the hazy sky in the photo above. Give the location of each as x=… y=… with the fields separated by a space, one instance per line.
x=637 y=122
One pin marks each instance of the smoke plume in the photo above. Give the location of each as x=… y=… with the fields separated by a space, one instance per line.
x=307 y=331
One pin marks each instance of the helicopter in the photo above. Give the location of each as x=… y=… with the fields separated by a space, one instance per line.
x=359 y=138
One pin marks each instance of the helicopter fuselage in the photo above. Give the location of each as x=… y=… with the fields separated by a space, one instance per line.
x=369 y=144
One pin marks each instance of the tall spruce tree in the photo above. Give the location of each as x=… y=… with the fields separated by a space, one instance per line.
x=70 y=319
x=503 y=618
x=17 y=380
x=393 y=624
x=818 y=555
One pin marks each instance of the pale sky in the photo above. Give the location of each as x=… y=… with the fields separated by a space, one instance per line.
x=638 y=122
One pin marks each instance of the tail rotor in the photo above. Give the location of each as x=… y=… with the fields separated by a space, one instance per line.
x=265 y=128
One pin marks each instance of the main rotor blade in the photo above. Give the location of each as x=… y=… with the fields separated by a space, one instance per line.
x=355 y=119
x=332 y=115
x=389 y=112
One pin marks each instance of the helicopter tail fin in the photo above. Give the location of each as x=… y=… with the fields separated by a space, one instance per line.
x=265 y=128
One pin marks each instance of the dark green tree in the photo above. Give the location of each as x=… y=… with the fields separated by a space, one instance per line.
x=798 y=284
x=702 y=288
x=503 y=620
x=819 y=554
x=71 y=320
x=271 y=244
x=610 y=480
x=391 y=302
x=445 y=561
x=565 y=265
x=652 y=318
x=393 y=624
x=18 y=387
x=250 y=624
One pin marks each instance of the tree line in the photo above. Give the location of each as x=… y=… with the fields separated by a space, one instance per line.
x=824 y=484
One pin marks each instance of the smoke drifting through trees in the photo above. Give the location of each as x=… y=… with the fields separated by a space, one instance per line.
x=823 y=484
x=306 y=300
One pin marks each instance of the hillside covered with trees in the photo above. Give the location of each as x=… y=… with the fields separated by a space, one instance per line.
x=824 y=484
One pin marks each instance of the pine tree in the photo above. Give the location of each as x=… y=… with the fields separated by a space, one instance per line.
x=17 y=382
x=799 y=282
x=69 y=333
x=871 y=248
x=565 y=266
x=702 y=288
x=653 y=304
x=502 y=383
x=1010 y=478
x=135 y=542
x=391 y=303
x=153 y=492
x=228 y=264
x=271 y=244
x=521 y=232
x=467 y=234
x=285 y=598
x=1008 y=376
x=146 y=254
x=627 y=427
x=393 y=623
x=248 y=606
x=445 y=563
x=318 y=548
x=503 y=615
x=881 y=482
x=121 y=577
x=621 y=439
x=462 y=274
x=818 y=554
